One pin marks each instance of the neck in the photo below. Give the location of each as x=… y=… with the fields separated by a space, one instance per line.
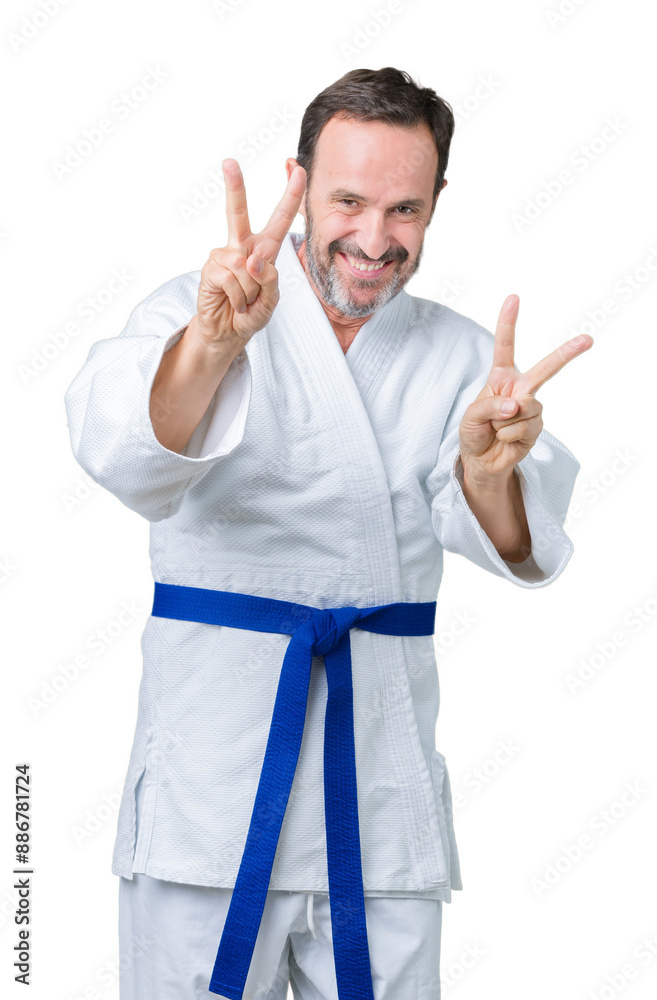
x=344 y=327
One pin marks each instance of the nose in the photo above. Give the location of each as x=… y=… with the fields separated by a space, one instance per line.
x=373 y=237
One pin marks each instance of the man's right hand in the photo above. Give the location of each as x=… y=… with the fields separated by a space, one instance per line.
x=235 y=300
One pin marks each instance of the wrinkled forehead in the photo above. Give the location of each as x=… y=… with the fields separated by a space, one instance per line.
x=375 y=160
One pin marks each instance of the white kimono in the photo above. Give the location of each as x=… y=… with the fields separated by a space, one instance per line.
x=324 y=479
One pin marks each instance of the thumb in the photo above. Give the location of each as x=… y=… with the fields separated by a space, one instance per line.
x=492 y=408
x=262 y=270
x=255 y=265
x=267 y=278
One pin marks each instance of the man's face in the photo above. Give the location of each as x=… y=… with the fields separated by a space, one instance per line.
x=370 y=199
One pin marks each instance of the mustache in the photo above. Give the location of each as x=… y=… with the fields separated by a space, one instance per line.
x=358 y=254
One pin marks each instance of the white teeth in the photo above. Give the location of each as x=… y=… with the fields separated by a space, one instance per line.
x=364 y=267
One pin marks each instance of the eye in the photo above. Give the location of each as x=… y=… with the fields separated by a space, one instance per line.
x=405 y=209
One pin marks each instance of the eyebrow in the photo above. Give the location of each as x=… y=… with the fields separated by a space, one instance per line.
x=343 y=193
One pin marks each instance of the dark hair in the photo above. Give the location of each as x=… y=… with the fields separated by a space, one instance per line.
x=384 y=95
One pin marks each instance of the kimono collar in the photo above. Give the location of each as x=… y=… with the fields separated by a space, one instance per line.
x=376 y=336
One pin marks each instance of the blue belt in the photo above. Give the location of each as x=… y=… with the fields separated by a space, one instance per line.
x=314 y=632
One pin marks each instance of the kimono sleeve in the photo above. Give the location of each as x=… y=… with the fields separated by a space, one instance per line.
x=547 y=477
x=108 y=410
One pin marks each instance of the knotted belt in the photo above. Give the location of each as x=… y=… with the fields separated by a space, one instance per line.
x=314 y=632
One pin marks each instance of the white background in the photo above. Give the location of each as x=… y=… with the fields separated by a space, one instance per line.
x=530 y=87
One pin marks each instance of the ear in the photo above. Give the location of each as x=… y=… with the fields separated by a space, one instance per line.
x=290 y=164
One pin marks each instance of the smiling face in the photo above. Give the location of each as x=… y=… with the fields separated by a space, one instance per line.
x=368 y=203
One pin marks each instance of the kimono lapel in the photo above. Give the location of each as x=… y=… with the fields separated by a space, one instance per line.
x=304 y=347
x=373 y=347
x=336 y=388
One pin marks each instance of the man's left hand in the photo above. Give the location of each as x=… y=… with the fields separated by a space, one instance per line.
x=492 y=442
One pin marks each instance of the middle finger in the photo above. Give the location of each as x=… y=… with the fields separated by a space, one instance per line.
x=237 y=213
x=549 y=366
x=271 y=237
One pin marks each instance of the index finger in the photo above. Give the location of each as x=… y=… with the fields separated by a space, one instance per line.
x=237 y=213
x=505 y=333
x=554 y=362
x=283 y=216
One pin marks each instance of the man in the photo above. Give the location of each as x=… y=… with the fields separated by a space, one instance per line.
x=306 y=438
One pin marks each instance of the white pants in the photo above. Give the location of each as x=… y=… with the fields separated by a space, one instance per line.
x=169 y=933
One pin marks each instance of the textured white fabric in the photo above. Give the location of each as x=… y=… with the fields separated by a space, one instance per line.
x=321 y=478
x=169 y=935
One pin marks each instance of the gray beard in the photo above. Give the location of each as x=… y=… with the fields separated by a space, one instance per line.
x=330 y=283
